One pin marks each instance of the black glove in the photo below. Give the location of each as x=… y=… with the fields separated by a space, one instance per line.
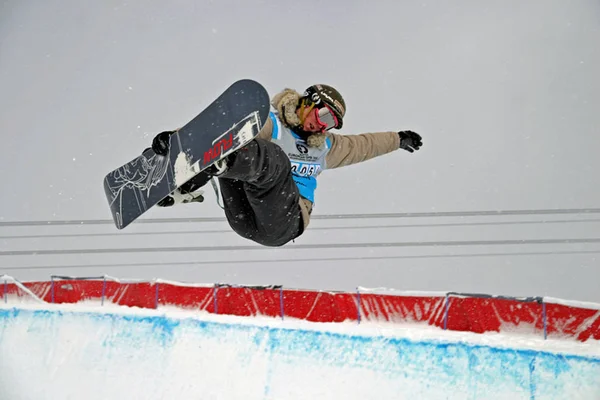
x=410 y=141
x=160 y=143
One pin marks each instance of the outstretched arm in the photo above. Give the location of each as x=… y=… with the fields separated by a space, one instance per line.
x=352 y=149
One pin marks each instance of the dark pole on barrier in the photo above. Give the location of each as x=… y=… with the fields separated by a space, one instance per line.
x=446 y=312
x=156 y=297
x=358 y=306
x=52 y=289
x=103 y=291
x=281 y=301
x=544 y=319
x=216 y=304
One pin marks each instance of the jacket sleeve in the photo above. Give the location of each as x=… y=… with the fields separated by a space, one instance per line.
x=351 y=149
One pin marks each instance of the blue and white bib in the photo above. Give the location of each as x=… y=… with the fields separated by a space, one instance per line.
x=307 y=162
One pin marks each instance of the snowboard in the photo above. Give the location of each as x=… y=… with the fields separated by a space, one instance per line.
x=225 y=125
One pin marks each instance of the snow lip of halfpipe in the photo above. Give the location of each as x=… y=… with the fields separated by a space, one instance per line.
x=415 y=331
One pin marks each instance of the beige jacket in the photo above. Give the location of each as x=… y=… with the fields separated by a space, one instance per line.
x=345 y=149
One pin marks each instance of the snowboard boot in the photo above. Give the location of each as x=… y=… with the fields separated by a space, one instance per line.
x=178 y=197
x=190 y=191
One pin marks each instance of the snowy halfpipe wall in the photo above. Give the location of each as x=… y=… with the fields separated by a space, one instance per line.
x=104 y=338
x=74 y=351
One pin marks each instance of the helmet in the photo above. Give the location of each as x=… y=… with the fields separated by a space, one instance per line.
x=325 y=94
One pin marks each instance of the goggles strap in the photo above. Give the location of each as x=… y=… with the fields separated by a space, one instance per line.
x=302 y=107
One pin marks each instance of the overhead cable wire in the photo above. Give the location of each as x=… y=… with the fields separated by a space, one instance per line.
x=559 y=211
x=298 y=246
x=314 y=228
x=286 y=260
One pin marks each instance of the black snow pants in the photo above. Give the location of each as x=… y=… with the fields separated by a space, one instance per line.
x=259 y=195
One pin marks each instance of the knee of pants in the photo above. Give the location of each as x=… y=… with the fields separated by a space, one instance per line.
x=270 y=241
x=263 y=238
x=280 y=238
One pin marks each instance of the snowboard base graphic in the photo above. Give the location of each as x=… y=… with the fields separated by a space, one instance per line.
x=227 y=124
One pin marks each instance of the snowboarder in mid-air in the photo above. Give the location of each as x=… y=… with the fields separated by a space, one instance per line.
x=268 y=186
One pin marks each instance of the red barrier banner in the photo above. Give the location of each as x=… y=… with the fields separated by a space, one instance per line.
x=457 y=312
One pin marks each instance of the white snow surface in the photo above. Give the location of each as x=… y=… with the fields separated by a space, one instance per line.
x=73 y=351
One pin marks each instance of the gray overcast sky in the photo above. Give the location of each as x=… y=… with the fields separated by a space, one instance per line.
x=505 y=93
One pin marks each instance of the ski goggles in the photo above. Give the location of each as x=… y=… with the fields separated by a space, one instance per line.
x=326 y=118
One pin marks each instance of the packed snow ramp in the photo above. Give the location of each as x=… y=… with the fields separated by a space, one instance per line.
x=87 y=350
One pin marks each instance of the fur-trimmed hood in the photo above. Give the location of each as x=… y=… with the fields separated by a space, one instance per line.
x=286 y=102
